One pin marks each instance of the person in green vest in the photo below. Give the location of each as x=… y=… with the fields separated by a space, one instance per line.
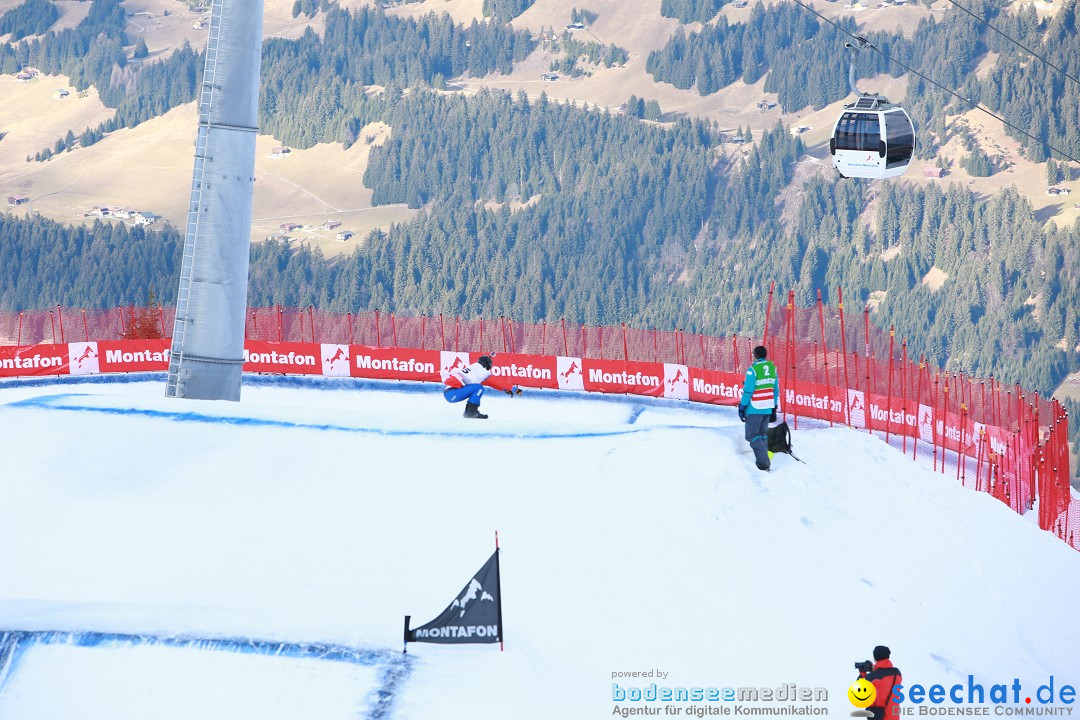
x=759 y=404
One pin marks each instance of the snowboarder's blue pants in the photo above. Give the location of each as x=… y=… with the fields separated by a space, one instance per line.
x=757 y=434
x=472 y=393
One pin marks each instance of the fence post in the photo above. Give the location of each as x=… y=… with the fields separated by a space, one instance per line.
x=161 y=319
x=120 y=312
x=584 y=344
x=85 y=327
x=825 y=356
x=903 y=393
x=843 y=346
x=945 y=420
x=352 y=332
x=655 y=353
x=961 y=456
x=502 y=327
x=790 y=352
x=423 y=332
x=457 y=332
x=625 y=349
x=543 y=341
x=934 y=419
x=868 y=414
x=734 y=353
x=768 y=312
x=311 y=321
x=281 y=324
x=979 y=459
x=565 y=344
x=888 y=392
x=918 y=409
x=18 y=337
x=393 y=328
x=704 y=364
x=60 y=316
x=442 y=333
x=995 y=402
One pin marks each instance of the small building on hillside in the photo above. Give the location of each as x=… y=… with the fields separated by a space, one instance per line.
x=549 y=77
x=287 y=227
x=345 y=235
x=933 y=172
x=740 y=4
x=24 y=77
x=764 y=105
x=145 y=218
x=576 y=26
x=60 y=93
x=124 y=213
x=331 y=224
x=281 y=151
x=14 y=200
x=198 y=25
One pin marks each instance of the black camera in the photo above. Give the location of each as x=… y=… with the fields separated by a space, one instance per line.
x=864 y=666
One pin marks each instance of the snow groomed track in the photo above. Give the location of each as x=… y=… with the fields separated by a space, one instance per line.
x=636 y=535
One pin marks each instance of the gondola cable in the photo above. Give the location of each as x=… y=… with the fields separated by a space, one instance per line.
x=1017 y=43
x=864 y=43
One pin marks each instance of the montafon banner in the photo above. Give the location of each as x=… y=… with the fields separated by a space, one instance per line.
x=475 y=615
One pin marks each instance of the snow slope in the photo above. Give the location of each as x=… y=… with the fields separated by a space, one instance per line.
x=636 y=535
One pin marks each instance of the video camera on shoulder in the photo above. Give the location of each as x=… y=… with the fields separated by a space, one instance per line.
x=864 y=666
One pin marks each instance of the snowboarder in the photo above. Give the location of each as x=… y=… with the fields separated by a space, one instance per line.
x=468 y=384
x=885 y=677
x=759 y=404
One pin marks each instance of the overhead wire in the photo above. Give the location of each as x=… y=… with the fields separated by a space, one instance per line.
x=1017 y=43
x=864 y=43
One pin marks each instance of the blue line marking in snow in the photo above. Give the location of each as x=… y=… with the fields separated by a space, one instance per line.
x=395 y=667
x=50 y=402
x=351 y=384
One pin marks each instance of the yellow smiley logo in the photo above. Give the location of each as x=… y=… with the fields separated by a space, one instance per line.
x=861 y=693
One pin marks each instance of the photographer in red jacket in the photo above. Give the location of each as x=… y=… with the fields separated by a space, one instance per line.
x=885 y=677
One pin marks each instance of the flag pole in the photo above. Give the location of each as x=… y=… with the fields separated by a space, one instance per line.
x=498 y=589
x=405 y=643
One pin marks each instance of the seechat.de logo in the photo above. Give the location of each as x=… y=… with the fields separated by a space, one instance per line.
x=862 y=695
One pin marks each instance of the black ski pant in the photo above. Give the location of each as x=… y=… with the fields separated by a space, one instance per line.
x=757 y=434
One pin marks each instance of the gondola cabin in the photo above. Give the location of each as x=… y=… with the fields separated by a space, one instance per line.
x=873 y=139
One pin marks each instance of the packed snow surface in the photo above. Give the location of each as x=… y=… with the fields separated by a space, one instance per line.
x=636 y=535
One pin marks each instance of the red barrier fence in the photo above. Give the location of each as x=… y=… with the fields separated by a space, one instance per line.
x=833 y=367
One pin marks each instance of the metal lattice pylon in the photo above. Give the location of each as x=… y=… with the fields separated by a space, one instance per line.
x=173 y=387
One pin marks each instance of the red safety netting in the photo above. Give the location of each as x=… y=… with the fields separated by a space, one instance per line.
x=834 y=365
x=991 y=437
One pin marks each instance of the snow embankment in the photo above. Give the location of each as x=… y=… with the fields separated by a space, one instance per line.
x=636 y=535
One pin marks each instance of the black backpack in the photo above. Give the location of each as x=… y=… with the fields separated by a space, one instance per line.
x=780 y=440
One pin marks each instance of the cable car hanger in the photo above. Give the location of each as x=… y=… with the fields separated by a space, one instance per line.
x=935 y=83
x=872 y=138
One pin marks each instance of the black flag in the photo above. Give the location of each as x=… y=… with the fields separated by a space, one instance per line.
x=475 y=616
